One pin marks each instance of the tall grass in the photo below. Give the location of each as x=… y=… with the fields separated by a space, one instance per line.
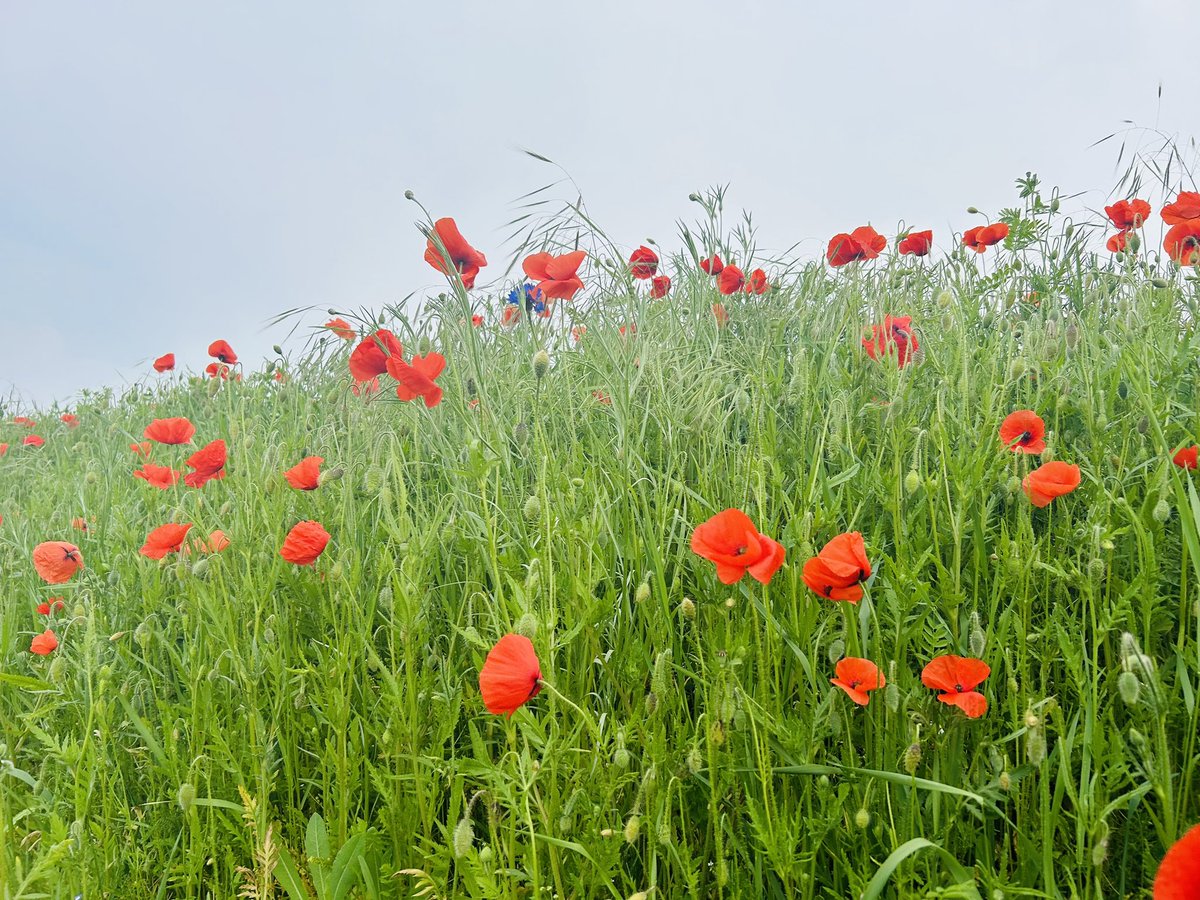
x=234 y=725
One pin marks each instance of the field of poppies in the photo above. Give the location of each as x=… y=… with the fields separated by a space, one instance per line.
x=683 y=573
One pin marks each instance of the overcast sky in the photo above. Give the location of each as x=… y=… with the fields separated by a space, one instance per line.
x=174 y=173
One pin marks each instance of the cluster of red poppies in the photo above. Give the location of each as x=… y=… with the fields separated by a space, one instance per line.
x=1182 y=242
x=36 y=440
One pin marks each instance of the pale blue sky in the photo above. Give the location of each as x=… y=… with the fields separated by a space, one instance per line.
x=173 y=173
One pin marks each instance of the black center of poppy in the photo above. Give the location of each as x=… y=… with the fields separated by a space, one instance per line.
x=862 y=574
x=959 y=688
x=739 y=551
x=1025 y=438
x=70 y=554
x=829 y=590
x=855 y=683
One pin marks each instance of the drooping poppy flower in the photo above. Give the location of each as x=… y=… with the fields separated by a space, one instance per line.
x=511 y=675
x=1184 y=211
x=983 y=236
x=306 y=474
x=916 y=243
x=69 y=420
x=33 y=440
x=165 y=363
x=54 y=604
x=1178 y=876
x=161 y=477
x=341 y=328
x=1050 y=480
x=643 y=263
x=44 y=644
x=720 y=314
x=712 y=265
x=511 y=315
x=957 y=677
x=476 y=320
x=838 y=571
x=1118 y=242
x=222 y=351
x=1182 y=243
x=894 y=335
x=304 y=543
x=170 y=431
x=1186 y=457
x=217 y=541
x=142 y=448
x=660 y=286
x=556 y=275
x=208 y=463
x=757 y=282
x=370 y=357
x=79 y=523
x=454 y=254
x=730 y=541
x=417 y=378
x=1023 y=432
x=57 y=562
x=1127 y=214
x=164 y=539
x=730 y=280
x=217 y=370
x=863 y=242
x=25 y=420
x=856 y=676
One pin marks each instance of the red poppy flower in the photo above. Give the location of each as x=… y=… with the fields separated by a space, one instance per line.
x=217 y=541
x=417 y=378
x=209 y=464
x=856 y=676
x=370 y=357
x=217 y=370
x=33 y=440
x=279 y=376
x=757 y=282
x=643 y=263
x=44 y=644
x=3 y=449
x=25 y=420
x=366 y=389
x=304 y=543
x=556 y=275
x=222 y=351
x=306 y=474
x=170 y=431
x=341 y=328
x=660 y=286
x=895 y=332
x=54 y=604
x=142 y=448
x=577 y=332
x=730 y=280
x=57 y=562
x=1118 y=242
x=165 y=363
x=730 y=541
x=511 y=675
x=1023 y=432
x=984 y=236
x=476 y=321
x=602 y=397
x=1178 y=876
x=720 y=314
x=916 y=243
x=511 y=315
x=839 y=569
x=161 y=477
x=1127 y=214
x=712 y=265
x=69 y=420
x=1184 y=211
x=163 y=540
x=957 y=677
x=463 y=258
x=1182 y=243
x=1050 y=480
x=79 y=523
x=629 y=330
x=1186 y=457
x=863 y=242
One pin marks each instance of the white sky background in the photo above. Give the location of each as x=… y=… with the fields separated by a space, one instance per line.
x=174 y=173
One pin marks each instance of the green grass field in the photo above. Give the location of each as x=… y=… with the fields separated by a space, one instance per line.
x=227 y=724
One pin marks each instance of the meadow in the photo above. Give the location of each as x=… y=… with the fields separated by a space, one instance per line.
x=228 y=721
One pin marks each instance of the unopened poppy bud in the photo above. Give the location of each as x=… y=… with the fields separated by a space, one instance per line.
x=695 y=198
x=633 y=827
x=1031 y=719
x=1054 y=205
x=485 y=855
x=945 y=299
x=642 y=594
x=1096 y=568
x=640 y=895
x=1035 y=746
x=58 y=669
x=91 y=478
x=409 y=195
x=532 y=508
x=891 y=696
x=1005 y=781
x=912 y=758
x=687 y=607
x=373 y=480
x=527 y=626
x=651 y=703
x=1107 y=545
x=1160 y=282
x=1129 y=687
x=972 y=211
x=912 y=481
x=114 y=578
x=837 y=649
x=1072 y=335
x=978 y=639
x=606 y=832
x=1143 y=425
x=200 y=568
x=716 y=733
x=862 y=818
x=185 y=796
x=142 y=635
x=621 y=758
x=577 y=482
x=464 y=837
x=541 y=364
x=660 y=680
x=331 y=475
x=695 y=760
x=1161 y=511
x=385 y=598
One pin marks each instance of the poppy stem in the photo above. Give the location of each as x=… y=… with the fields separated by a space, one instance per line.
x=587 y=718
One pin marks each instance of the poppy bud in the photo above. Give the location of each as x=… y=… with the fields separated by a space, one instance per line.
x=695 y=761
x=385 y=598
x=91 y=478
x=142 y=635
x=485 y=855
x=1035 y=746
x=331 y=475
x=200 y=568
x=651 y=703
x=1014 y=485
x=912 y=481
x=1143 y=425
x=695 y=198
x=1096 y=568
x=891 y=695
x=620 y=759
x=660 y=680
x=1072 y=335
x=837 y=649
x=527 y=626
x=464 y=837
x=835 y=721
x=1129 y=687
x=373 y=480
x=642 y=594
x=114 y=578
x=185 y=796
x=972 y=211
x=716 y=733
x=633 y=827
x=1005 y=781
x=1161 y=511
x=687 y=607
x=408 y=195
x=541 y=364
x=862 y=818
x=1160 y=282
x=912 y=758
x=577 y=482
x=1100 y=849
x=58 y=670
x=532 y=509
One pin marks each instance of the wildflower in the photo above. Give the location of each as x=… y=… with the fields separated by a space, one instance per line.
x=984 y=236
x=643 y=263
x=1178 y=876
x=217 y=541
x=44 y=644
x=476 y=320
x=839 y=569
x=33 y=440
x=1184 y=211
x=957 y=677
x=304 y=543
x=577 y=332
x=660 y=286
x=730 y=280
x=217 y=370
x=1023 y=432
x=368 y=388
x=25 y=420
x=57 y=561
x=163 y=540
x=1118 y=242
x=557 y=276
x=306 y=474
x=165 y=363
x=730 y=541
x=602 y=397
x=54 y=604
x=896 y=331
x=417 y=378
x=209 y=464
x=862 y=243
x=1128 y=214
x=3 y=449
x=454 y=254
x=370 y=357
x=720 y=314
x=856 y=676
x=712 y=265
x=341 y=328
x=161 y=477
x=141 y=448
x=69 y=420
x=1186 y=457
x=79 y=523
x=1182 y=243
x=511 y=675
x=170 y=431
x=222 y=351
x=916 y=243
x=1050 y=480
x=757 y=282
